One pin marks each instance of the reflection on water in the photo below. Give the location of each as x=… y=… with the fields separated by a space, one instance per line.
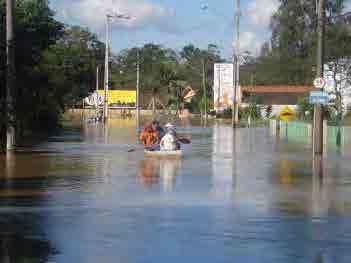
x=236 y=195
x=22 y=238
x=222 y=160
x=149 y=172
x=320 y=185
x=152 y=170
x=168 y=171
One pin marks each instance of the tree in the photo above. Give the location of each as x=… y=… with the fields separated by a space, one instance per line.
x=55 y=65
x=192 y=70
x=35 y=30
x=70 y=65
x=338 y=66
x=305 y=109
x=2 y=74
x=290 y=57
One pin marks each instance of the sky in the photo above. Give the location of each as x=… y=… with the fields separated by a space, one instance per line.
x=173 y=23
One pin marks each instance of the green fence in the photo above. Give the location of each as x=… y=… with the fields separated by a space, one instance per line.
x=296 y=131
x=301 y=132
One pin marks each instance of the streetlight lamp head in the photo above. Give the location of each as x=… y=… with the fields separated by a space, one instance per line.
x=128 y=17
x=204 y=6
x=114 y=15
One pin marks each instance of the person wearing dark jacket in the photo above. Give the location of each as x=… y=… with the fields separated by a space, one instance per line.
x=158 y=129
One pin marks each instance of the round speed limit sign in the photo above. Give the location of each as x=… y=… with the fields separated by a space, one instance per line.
x=319 y=83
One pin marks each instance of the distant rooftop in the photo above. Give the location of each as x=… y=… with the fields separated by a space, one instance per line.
x=277 y=89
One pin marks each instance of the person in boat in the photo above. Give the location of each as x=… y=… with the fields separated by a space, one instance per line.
x=169 y=142
x=158 y=129
x=148 y=136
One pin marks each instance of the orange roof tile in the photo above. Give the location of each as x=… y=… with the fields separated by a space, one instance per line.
x=277 y=89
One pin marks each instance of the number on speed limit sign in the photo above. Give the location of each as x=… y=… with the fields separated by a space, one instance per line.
x=319 y=83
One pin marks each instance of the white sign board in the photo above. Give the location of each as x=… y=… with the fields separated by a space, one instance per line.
x=319 y=97
x=223 y=86
x=94 y=100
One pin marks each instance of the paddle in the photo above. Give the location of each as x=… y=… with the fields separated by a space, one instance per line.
x=184 y=140
x=153 y=147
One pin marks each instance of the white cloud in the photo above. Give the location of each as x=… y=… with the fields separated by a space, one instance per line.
x=91 y=13
x=261 y=11
x=250 y=41
x=348 y=6
x=258 y=15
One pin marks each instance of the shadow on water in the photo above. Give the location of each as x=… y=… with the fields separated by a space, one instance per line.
x=16 y=248
x=22 y=235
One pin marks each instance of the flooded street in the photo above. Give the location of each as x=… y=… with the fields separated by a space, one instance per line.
x=89 y=195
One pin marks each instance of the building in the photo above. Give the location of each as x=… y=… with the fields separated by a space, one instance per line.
x=277 y=96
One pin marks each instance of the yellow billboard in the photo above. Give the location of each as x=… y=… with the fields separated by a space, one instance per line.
x=120 y=97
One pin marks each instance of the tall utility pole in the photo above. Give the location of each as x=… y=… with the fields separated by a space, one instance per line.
x=138 y=90
x=10 y=78
x=106 y=86
x=97 y=78
x=236 y=62
x=204 y=88
x=109 y=18
x=97 y=89
x=318 y=114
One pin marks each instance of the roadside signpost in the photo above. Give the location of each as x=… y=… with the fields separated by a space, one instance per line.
x=287 y=114
x=319 y=97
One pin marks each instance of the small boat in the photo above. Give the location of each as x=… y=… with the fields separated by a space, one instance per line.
x=164 y=154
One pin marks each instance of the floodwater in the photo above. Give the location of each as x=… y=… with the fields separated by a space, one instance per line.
x=90 y=195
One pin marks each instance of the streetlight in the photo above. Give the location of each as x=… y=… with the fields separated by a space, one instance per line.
x=109 y=18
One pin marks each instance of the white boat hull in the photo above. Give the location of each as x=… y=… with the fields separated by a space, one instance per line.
x=164 y=154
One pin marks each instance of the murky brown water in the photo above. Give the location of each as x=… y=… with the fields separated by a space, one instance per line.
x=90 y=195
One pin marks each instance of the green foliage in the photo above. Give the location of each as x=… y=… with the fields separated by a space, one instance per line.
x=304 y=109
x=55 y=65
x=290 y=57
x=253 y=111
x=165 y=72
x=156 y=67
x=35 y=30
